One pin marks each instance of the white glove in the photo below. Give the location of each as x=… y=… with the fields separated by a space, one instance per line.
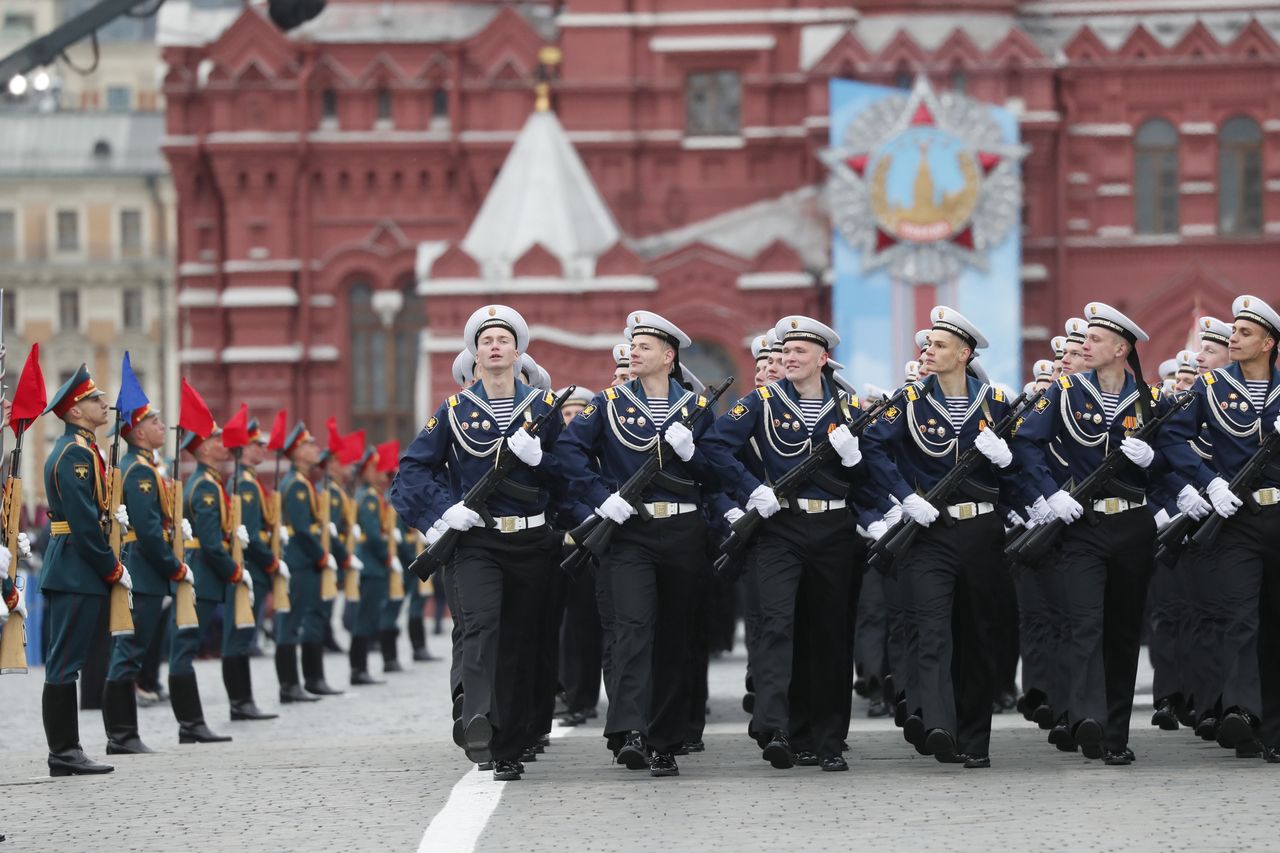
x=355 y=563
x=188 y=576
x=432 y=536
x=1065 y=507
x=732 y=514
x=846 y=444
x=1224 y=502
x=186 y=530
x=877 y=529
x=397 y=535
x=357 y=532
x=1191 y=503
x=1014 y=520
x=680 y=437
x=919 y=510
x=397 y=566
x=1276 y=426
x=5 y=559
x=126 y=580
x=894 y=515
x=242 y=533
x=21 y=608
x=282 y=569
x=333 y=529
x=763 y=500
x=330 y=562
x=615 y=509
x=24 y=546
x=460 y=518
x=1162 y=519
x=284 y=535
x=1039 y=512
x=994 y=448
x=1138 y=452
x=247 y=582
x=122 y=515
x=526 y=447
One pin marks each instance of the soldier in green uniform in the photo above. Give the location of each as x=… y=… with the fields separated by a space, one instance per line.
x=304 y=623
x=341 y=514
x=255 y=514
x=148 y=549
x=376 y=551
x=407 y=546
x=79 y=567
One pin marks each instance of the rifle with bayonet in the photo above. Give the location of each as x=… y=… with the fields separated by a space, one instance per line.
x=477 y=497
x=1035 y=542
x=594 y=535
x=184 y=597
x=894 y=543
x=744 y=529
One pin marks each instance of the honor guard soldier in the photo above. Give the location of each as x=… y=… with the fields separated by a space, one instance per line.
x=376 y=550
x=760 y=352
x=208 y=507
x=304 y=622
x=1059 y=346
x=1104 y=566
x=500 y=572
x=1240 y=403
x=1042 y=373
x=621 y=364
x=1073 y=350
x=955 y=585
x=922 y=346
x=806 y=561
x=79 y=567
x=148 y=549
x=335 y=472
x=256 y=515
x=653 y=562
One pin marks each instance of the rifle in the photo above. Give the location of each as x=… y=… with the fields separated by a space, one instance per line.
x=899 y=538
x=184 y=599
x=387 y=518
x=121 y=617
x=279 y=585
x=351 y=580
x=243 y=609
x=742 y=531
x=328 y=575
x=13 y=639
x=477 y=496
x=594 y=535
x=1032 y=544
x=1241 y=485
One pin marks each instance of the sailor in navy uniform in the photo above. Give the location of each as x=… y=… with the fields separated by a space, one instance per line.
x=500 y=571
x=1104 y=566
x=955 y=582
x=655 y=561
x=1240 y=404
x=807 y=559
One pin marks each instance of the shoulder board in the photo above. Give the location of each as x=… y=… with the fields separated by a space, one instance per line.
x=1209 y=378
x=997 y=395
x=550 y=399
x=912 y=393
x=853 y=400
x=610 y=393
x=702 y=402
x=81 y=442
x=453 y=401
x=1155 y=392
x=1064 y=382
x=764 y=392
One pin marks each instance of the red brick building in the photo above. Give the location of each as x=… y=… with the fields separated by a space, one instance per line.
x=330 y=179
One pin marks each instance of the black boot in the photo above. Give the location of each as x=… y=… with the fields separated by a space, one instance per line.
x=239 y=682
x=287 y=674
x=418 y=639
x=120 y=716
x=184 y=694
x=62 y=730
x=359 y=657
x=389 y=662
x=313 y=671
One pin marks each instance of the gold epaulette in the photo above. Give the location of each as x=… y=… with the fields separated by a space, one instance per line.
x=453 y=401
x=1064 y=382
x=610 y=394
x=1209 y=378
x=764 y=392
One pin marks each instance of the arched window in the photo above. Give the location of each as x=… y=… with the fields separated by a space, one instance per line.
x=384 y=327
x=1155 y=182
x=369 y=385
x=1240 y=177
x=408 y=323
x=711 y=363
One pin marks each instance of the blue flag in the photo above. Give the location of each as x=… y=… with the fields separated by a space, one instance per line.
x=131 y=396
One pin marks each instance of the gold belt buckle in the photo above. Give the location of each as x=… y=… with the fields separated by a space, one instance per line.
x=662 y=509
x=1268 y=497
x=967 y=510
x=507 y=523
x=814 y=504
x=1111 y=506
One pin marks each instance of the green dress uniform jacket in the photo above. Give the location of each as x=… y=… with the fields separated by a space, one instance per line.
x=255 y=512
x=148 y=552
x=301 y=509
x=79 y=557
x=374 y=549
x=341 y=518
x=210 y=557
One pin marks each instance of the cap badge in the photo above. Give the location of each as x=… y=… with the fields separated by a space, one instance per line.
x=493 y=312
x=1246 y=302
x=1093 y=309
x=795 y=324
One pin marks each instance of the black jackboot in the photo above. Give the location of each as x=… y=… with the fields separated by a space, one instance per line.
x=62 y=730
x=120 y=716
x=235 y=675
x=287 y=673
x=359 y=657
x=390 y=663
x=313 y=671
x=184 y=694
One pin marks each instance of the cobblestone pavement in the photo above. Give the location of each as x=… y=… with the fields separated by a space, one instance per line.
x=370 y=770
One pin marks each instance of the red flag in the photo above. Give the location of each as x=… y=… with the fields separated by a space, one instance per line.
x=235 y=432
x=193 y=414
x=29 y=399
x=352 y=448
x=335 y=437
x=389 y=455
x=279 y=431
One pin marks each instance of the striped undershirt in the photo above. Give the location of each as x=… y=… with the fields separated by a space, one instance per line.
x=956 y=408
x=502 y=408
x=809 y=410
x=1257 y=392
x=658 y=408
x=1110 y=402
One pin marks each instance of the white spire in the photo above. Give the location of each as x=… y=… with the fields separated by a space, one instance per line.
x=544 y=195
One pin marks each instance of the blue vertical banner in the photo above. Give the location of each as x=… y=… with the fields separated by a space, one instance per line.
x=923 y=189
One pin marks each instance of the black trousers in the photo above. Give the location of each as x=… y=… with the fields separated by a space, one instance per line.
x=871 y=629
x=448 y=578
x=1035 y=628
x=903 y=638
x=699 y=653
x=1166 y=603
x=501 y=581
x=547 y=673
x=1201 y=630
x=958 y=585
x=805 y=580
x=655 y=570
x=1106 y=568
x=1246 y=595
x=581 y=643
